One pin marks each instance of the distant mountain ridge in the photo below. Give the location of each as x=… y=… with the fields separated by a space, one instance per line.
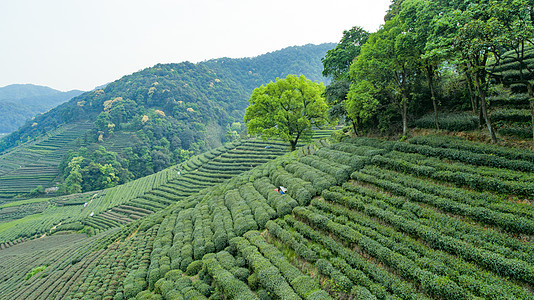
x=20 y=91
x=21 y=102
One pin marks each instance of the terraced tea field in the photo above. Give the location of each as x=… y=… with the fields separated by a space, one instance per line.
x=197 y=174
x=120 y=205
x=434 y=217
x=25 y=167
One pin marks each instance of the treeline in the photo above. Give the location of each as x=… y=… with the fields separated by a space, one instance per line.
x=432 y=56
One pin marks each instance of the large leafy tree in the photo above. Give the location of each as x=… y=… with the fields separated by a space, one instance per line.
x=337 y=61
x=336 y=64
x=361 y=103
x=389 y=61
x=286 y=109
x=478 y=35
x=417 y=18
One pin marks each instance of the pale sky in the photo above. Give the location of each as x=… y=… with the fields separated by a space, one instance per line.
x=80 y=44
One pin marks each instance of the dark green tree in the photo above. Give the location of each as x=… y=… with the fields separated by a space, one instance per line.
x=337 y=61
x=390 y=62
x=336 y=64
x=517 y=17
x=477 y=37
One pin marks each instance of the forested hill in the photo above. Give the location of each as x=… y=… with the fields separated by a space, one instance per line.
x=158 y=113
x=20 y=102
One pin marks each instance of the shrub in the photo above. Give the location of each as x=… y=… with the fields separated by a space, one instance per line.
x=522 y=132
x=299 y=189
x=226 y=260
x=263 y=295
x=318 y=295
x=253 y=281
x=232 y=287
x=173 y=275
x=451 y=122
x=355 y=162
x=304 y=286
x=467 y=157
x=273 y=281
x=203 y=288
x=34 y=271
x=511 y=115
x=360 y=292
x=194 y=268
x=340 y=172
x=240 y=273
x=340 y=281
x=319 y=180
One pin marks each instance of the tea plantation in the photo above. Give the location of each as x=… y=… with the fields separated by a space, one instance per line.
x=35 y=163
x=431 y=218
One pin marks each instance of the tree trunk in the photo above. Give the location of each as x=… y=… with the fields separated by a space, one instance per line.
x=293 y=144
x=471 y=92
x=482 y=96
x=354 y=127
x=430 y=77
x=481 y=121
x=531 y=101
x=404 y=116
x=532 y=116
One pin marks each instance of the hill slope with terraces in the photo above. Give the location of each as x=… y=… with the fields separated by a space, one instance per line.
x=433 y=217
x=144 y=122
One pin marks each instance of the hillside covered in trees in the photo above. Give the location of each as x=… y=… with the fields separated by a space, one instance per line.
x=159 y=116
x=453 y=65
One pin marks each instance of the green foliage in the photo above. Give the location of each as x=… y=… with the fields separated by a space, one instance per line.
x=34 y=271
x=467 y=157
x=480 y=148
x=431 y=54
x=93 y=170
x=451 y=122
x=154 y=118
x=404 y=226
x=194 y=268
x=232 y=287
x=286 y=109
x=511 y=116
x=337 y=61
x=361 y=105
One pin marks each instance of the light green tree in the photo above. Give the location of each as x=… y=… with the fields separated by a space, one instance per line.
x=361 y=105
x=287 y=109
x=417 y=20
x=517 y=18
x=73 y=182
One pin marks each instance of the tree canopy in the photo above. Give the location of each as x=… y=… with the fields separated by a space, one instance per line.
x=336 y=64
x=286 y=109
x=431 y=54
